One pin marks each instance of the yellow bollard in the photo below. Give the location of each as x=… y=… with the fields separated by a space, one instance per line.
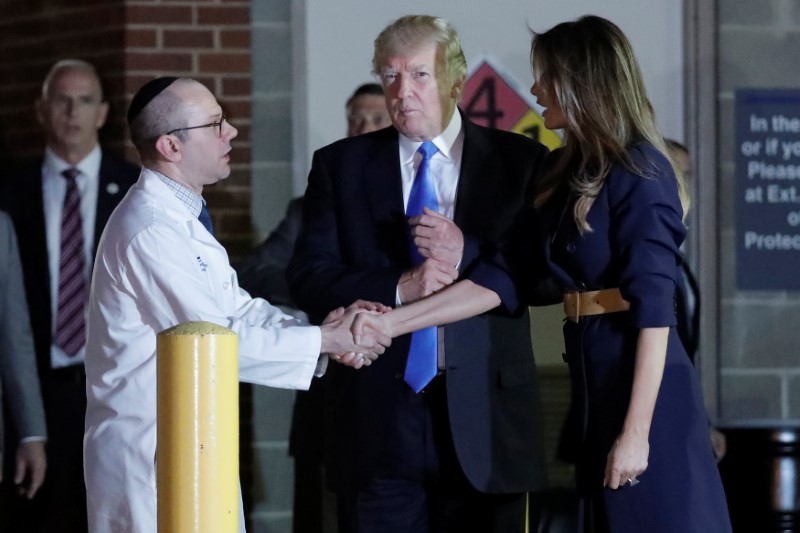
x=197 y=457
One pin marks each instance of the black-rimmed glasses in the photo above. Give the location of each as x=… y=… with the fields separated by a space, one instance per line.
x=218 y=124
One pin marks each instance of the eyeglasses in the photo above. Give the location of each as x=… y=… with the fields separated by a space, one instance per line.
x=218 y=124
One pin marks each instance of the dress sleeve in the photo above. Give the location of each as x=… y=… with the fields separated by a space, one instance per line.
x=320 y=277
x=646 y=233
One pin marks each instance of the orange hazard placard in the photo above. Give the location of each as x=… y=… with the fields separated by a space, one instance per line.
x=492 y=98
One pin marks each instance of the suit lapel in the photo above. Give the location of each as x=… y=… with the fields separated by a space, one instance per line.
x=473 y=185
x=381 y=179
x=32 y=238
x=34 y=214
x=382 y=182
x=26 y=204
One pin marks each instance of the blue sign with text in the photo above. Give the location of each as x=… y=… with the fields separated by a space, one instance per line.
x=768 y=189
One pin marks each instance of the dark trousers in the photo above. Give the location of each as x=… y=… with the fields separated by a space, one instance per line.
x=308 y=491
x=60 y=504
x=419 y=487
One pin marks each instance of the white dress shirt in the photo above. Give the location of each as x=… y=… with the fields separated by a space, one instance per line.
x=445 y=169
x=445 y=165
x=54 y=188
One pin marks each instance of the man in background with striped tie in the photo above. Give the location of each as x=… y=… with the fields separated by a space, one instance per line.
x=59 y=205
x=442 y=432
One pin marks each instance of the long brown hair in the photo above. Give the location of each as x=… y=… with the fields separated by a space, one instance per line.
x=588 y=66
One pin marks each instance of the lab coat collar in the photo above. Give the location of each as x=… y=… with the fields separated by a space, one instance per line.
x=174 y=207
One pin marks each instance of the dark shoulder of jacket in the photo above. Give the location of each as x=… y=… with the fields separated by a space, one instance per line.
x=126 y=169
x=650 y=161
x=552 y=158
x=18 y=178
x=359 y=144
x=510 y=139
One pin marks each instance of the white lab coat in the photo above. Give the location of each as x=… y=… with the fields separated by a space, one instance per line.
x=156 y=267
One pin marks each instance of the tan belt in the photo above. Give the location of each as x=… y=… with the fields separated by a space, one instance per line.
x=578 y=304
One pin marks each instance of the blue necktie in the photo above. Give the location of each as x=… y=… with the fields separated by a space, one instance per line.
x=205 y=219
x=422 y=356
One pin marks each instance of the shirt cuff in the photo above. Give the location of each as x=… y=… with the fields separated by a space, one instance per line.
x=322 y=366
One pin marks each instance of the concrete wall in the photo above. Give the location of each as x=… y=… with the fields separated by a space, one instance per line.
x=268 y=471
x=758 y=337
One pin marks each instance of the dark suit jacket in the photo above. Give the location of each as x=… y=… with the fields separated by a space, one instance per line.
x=22 y=198
x=355 y=245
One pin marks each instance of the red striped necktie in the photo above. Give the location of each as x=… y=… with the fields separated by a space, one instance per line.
x=70 y=321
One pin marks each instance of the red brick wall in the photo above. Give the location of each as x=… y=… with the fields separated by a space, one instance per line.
x=33 y=35
x=131 y=42
x=209 y=41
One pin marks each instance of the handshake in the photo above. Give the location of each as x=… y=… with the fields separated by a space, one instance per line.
x=356 y=336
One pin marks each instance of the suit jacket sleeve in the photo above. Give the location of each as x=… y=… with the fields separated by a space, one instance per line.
x=20 y=381
x=512 y=265
x=320 y=277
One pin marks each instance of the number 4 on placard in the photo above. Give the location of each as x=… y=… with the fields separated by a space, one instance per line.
x=489 y=112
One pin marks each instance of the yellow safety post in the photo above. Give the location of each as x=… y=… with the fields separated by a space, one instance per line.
x=197 y=456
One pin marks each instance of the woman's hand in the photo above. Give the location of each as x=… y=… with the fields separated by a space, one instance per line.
x=628 y=456
x=627 y=459
x=367 y=324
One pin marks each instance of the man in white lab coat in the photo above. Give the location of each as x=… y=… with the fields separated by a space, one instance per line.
x=157 y=266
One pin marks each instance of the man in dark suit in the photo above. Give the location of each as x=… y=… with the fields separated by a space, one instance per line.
x=461 y=454
x=76 y=185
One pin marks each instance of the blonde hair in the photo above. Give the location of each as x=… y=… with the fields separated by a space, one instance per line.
x=412 y=31
x=589 y=68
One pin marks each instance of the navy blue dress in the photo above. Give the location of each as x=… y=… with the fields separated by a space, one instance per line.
x=634 y=245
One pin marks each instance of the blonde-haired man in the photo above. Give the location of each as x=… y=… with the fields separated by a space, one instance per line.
x=460 y=454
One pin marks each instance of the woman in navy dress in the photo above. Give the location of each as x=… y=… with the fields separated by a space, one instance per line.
x=611 y=210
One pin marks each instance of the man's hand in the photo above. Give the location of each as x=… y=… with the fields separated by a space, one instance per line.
x=31 y=466
x=425 y=279
x=365 y=305
x=337 y=340
x=437 y=237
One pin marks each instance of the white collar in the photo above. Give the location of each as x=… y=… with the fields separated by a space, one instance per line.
x=89 y=165
x=444 y=141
